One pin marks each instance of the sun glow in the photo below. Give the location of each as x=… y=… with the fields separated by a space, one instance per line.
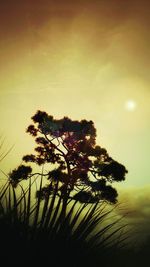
x=130 y=105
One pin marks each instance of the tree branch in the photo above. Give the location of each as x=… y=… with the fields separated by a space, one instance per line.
x=62 y=153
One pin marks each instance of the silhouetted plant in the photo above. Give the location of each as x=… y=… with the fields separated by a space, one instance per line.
x=82 y=171
x=33 y=230
x=36 y=228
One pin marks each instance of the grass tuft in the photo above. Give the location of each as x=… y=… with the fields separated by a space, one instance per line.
x=34 y=228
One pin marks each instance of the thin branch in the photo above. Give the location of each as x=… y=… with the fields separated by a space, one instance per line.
x=62 y=153
x=64 y=144
x=37 y=173
x=58 y=142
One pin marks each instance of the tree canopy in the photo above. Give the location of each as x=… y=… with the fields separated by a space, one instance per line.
x=82 y=170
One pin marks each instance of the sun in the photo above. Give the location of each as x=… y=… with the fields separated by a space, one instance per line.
x=130 y=105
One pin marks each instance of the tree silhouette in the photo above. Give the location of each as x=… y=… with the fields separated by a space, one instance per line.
x=82 y=170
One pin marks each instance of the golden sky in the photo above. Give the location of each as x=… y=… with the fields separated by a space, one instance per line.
x=84 y=59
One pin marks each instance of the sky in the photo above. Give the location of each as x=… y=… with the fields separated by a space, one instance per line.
x=82 y=59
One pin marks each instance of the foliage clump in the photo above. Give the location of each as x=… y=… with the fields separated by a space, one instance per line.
x=82 y=170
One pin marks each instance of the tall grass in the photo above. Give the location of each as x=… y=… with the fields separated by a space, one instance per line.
x=33 y=228
x=4 y=152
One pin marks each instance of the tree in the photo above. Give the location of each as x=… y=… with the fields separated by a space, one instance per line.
x=82 y=170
